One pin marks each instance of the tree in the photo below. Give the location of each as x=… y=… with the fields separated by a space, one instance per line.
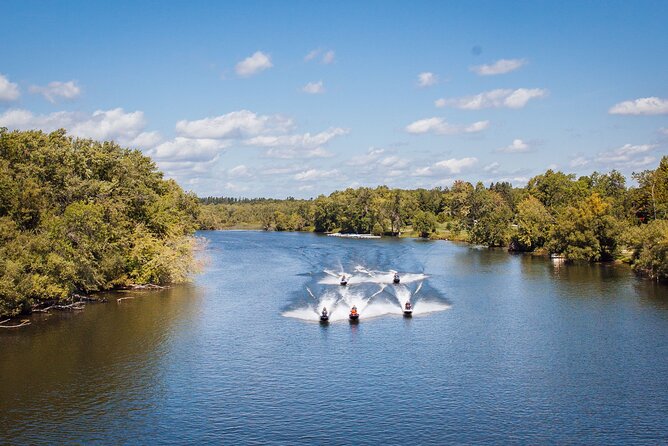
x=424 y=223
x=586 y=231
x=650 y=249
x=533 y=225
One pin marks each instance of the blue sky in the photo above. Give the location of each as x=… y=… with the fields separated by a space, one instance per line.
x=302 y=98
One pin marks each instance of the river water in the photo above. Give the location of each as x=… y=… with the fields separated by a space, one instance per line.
x=505 y=349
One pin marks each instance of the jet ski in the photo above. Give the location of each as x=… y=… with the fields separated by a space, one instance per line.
x=354 y=315
x=324 y=317
x=396 y=278
x=344 y=281
x=408 y=309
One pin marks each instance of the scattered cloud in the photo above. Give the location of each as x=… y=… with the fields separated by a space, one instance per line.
x=313 y=88
x=254 y=64
x=188 y=149
x=492 y=167
x=641 y=106
x=427 y=79
x=498 y=98
x=452 y=165
x=315 y=174
x=663 y=130
x=440 y=127
x=517 y=146
x=55 y=90
x=114 y=124
x=239 y=171
x=236 y=124
x=234 y=187
x=580 y=161
x=146 y=140
x=628 y=155
x=9 y=91
x=304 y=141
x=372 y=155
x=327 y=58
x=501 y=66
x=292 y=153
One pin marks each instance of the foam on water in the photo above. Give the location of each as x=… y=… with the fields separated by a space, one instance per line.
x=372 y=292
x=362 y=275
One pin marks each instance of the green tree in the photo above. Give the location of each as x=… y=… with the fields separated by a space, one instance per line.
x=586 y=231
x=424 y=223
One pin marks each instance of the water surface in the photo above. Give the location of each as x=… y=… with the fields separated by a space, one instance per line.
x=506 y=349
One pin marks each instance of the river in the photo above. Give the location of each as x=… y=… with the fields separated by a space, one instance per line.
x=507 y=349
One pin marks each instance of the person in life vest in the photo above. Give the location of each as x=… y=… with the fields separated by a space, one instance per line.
x=353 y=310
x=408 y=305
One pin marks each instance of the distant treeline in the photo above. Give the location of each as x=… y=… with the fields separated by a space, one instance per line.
x=78 y=215
x=233 y=200
x=591 y=218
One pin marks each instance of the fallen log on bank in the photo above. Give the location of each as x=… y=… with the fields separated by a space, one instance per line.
x=23 y=323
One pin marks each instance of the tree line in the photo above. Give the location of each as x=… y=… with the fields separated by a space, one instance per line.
x=587 y=218
x=77 y=215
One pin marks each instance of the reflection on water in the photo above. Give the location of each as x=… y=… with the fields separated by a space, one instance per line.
x=527 y=350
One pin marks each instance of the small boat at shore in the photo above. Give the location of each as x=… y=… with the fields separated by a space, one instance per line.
x=396 y=278
x=354 y=316
x=408 y=309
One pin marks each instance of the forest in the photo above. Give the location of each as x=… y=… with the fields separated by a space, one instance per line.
x=589 y=218
x=78 y=215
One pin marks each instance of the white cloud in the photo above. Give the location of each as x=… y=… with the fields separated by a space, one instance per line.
x=110 y=124
x=328 y=57
x=454 y=165
x=427 y=79
x=498 y=98
x=233 y=187
x=315 y=174
x=235 y=124
x=291 y=153
x=580 y=161
x=663 y=130
x=56 y=89
x=303 y=141
x=372 y=155
x=254 y=64
x=9 y=91
x=394 y=162
x=312 y=54
x=492 y=167
x=114 y=124
x=281 y=170
x=641 y=106
x=628 y=155
x=517 y=146
x=502 y=66
x=313 y=88
x=239 y=171
x=192 y=171
x=145 y=140
x=441 y=127
x=188 y=149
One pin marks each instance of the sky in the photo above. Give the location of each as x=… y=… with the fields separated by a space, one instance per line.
x=301 y=98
